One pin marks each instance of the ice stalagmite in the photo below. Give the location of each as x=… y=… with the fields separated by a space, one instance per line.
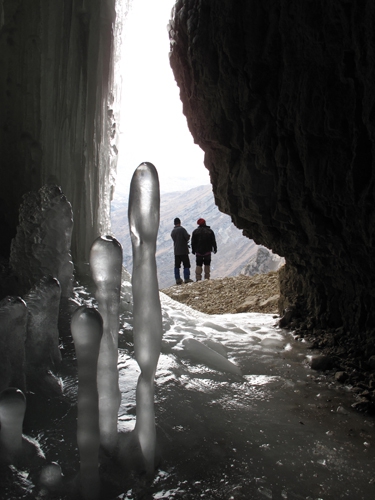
x=87 y=329
x=50 y=479
x=12 y=412
x=13 y=321
x=106 y=267
x=144 y=215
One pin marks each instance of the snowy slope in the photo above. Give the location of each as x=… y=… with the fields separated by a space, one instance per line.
x=234 y=250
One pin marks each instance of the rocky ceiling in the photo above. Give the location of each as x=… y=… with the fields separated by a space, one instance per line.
x=280 y=95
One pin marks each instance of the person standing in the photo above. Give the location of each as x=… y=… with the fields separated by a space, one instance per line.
x=203 y=242
x=180 y=239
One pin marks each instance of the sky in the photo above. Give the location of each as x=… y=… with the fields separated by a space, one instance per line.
x=152 y=125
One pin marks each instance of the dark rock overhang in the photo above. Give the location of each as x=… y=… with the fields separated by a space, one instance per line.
x=280 y=96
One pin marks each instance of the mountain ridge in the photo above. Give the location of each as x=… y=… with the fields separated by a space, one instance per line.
x=234 y=249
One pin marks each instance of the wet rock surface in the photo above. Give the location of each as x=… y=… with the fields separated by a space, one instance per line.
x=348 y=361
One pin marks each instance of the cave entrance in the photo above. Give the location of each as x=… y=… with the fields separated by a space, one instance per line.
x=153 y=127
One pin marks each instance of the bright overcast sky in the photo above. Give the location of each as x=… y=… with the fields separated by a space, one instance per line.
x=153 y=127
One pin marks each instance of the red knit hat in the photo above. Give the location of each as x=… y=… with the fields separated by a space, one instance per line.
x=200 y=222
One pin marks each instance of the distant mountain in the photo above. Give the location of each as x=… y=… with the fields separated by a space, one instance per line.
x=262 y=261
x=234 y=249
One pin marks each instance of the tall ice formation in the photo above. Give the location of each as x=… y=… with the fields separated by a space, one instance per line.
x=106 y=267
x=87 y=330
x=144 y=216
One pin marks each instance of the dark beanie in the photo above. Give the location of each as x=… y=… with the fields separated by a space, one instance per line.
x=177 y=221
x=200 y=222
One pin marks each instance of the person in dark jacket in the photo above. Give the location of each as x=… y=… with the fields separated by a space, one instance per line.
x=203 y=242
x=180 y=239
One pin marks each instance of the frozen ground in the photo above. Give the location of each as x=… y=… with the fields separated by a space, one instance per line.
x=280 y=431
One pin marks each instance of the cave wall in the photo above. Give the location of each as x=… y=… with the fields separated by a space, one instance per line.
x=280 y=94
x=57 y=121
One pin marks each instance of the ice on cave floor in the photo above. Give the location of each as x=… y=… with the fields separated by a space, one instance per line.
x=279 y=431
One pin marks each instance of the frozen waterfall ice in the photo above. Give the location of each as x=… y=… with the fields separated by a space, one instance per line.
x=144 y=215
x=42 y=244
x=106 y=267
x=87 y=330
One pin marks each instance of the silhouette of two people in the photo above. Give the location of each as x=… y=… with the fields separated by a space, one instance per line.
x=203 y=243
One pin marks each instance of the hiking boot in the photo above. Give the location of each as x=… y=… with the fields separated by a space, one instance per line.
x=206 y=272
x=179 y=281
x=188 y=281
x=198 y=273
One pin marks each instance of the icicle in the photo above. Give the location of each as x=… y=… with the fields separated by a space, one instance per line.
x=144 y=215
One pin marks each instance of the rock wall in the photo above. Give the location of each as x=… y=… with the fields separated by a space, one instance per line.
x=57 y=121
x=280 y=95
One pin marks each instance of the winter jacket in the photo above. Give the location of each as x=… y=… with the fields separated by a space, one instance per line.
x=203 y=240
x=180 y=238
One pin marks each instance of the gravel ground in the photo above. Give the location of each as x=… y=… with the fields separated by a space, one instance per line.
x=259 y=293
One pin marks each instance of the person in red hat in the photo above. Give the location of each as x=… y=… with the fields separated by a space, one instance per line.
x=203 y=242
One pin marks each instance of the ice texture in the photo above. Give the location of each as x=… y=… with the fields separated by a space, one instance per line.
x=211 y=357
x=13 y=320
x=106 y=267
x=42 y=338
x=12 y=413
x=144 y=216
x=87 y=330
x=42 y=244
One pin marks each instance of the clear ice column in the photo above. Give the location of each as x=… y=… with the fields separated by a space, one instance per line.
x=87 y=329
x=106 y=268
x=144 y=217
